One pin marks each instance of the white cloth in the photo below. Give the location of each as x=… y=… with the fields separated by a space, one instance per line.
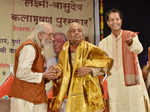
x=19 y=105
x=26 y=58
x=121 y=97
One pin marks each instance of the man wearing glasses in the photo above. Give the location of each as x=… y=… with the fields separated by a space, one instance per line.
x=28 y=89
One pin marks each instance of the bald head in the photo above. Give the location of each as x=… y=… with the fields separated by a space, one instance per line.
x=72 y=26
x=75 y=33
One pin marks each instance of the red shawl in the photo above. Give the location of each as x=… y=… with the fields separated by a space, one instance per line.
x=129 y=61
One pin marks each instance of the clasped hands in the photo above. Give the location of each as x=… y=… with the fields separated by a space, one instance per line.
x=82 y=71
x=52 y=73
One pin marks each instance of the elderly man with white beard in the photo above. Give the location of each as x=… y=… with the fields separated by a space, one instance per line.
x=28 y=89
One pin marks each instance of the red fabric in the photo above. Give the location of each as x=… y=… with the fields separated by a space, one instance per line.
x=50 y=94
x=129 y=58
x=105 y=93
x=104 y=86
x=5 y=87
x=105 y=89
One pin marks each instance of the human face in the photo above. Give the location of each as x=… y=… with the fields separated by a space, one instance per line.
x=76 y=35
x=58 y=43
x=114 y=21
x=46 y=37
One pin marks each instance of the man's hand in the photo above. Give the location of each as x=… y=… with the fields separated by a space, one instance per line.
x=52 y=73
x=129 y=37
x=83 y=71
x=129 y=42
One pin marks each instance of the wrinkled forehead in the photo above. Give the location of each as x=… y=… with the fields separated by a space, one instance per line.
x=75 y=26
x=48 y=28
x=59 y=37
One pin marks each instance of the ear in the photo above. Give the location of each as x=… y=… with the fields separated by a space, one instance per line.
x=108 y=23
x=40 y=35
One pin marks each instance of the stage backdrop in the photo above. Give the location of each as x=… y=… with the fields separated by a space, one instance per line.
x=18 y=18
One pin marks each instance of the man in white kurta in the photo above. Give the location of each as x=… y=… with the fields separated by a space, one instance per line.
x=123 y=98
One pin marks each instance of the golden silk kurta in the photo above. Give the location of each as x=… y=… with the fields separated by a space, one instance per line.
x=84 y=93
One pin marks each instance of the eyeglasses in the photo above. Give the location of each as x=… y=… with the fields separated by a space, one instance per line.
x=74 y=30
x=51 y=35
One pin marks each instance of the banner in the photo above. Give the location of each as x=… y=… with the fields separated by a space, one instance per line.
x=19 y=17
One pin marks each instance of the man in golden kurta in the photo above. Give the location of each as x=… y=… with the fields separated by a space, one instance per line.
x=80 y=63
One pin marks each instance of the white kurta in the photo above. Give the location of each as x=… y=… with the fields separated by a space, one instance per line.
x=26 y=58
x=121 y=97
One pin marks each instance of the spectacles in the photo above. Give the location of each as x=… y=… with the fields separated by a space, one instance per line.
x=51 y=35
x=74 y=30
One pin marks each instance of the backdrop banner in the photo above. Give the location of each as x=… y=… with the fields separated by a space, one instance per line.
x=19 y=17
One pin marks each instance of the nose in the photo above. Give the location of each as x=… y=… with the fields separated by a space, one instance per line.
x=115 y=21
x=54 y=42
x=50 y=38
x=76 y=32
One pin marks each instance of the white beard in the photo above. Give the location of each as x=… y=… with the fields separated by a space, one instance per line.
x=48 y=50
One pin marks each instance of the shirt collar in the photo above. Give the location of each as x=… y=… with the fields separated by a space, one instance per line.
x=118 y=37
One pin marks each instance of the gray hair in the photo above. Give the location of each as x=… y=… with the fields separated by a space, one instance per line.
x=40 y=27
x=71 y=26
